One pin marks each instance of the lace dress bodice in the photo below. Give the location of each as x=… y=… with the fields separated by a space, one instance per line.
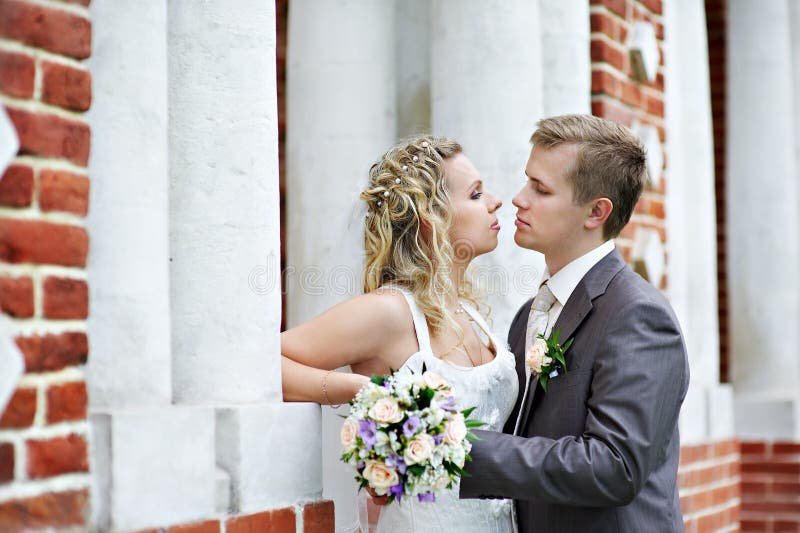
x=492 y=388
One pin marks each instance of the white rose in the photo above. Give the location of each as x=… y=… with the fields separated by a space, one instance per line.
x=455 y=431
x=380 y=476
x=419 y=449
x=459 y=456
x=386 y=411
x=348 y=434
x=535 y=357
x=441 y=482
x=434 y=380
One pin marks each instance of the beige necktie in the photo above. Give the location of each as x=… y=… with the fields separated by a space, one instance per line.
x=537 y=319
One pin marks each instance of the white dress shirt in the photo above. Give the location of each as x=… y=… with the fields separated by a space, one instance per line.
x=563 y=282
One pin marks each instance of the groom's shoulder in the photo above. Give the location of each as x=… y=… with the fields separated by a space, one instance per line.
x=629 y=290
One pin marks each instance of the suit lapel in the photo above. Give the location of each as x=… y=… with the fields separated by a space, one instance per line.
x=577 y=308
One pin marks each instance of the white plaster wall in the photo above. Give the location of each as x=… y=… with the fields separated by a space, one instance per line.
x=413 y=67
x=566 y=65
x=762 y=198
x=341 y=100
x=224 y=210
x=129 y=323
x=487 y=94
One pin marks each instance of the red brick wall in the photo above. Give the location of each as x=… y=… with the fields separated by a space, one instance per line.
x=716 y=19
x=770 y=486
x=44 y=197
x=618 y=96
x=709 y=485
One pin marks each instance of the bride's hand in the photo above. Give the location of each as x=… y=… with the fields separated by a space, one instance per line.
x=377 y=500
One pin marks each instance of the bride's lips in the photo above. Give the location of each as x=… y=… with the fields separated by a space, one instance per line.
x=496 y=225
x=521 y=223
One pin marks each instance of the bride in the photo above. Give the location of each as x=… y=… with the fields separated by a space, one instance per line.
x=428 y=216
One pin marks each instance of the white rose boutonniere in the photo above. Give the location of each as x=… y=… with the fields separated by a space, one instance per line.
x=546 y=357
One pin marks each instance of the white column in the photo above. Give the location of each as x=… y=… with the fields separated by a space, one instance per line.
x=763 y=219
x=341 y=97
x=691 y=225
x=486 y=93
x=224 y=211
x=566 y=64
x=129 y=323
x=413 y=67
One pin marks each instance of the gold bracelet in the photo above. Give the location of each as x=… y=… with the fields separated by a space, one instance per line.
x=325 y=391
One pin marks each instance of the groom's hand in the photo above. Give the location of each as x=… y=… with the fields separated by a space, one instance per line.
x=377 y=500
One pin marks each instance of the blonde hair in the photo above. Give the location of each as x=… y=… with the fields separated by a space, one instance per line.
x=406 y=234
x=610 y=163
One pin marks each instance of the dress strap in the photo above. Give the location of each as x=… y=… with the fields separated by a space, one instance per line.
x=478 y=318
x=420 y=323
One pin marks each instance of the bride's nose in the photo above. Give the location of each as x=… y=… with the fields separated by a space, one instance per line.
x=495 y=204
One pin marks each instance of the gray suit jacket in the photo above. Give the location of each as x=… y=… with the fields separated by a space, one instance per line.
x=599 y=450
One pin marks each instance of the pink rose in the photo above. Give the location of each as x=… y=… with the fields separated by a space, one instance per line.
x=536 y=357
x=434 y=380
x=348 y=434
x=419 y=449
x=386 y=411
x=455 y=431
x=380 y=476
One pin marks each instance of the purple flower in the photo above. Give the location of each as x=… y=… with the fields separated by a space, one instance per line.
x=395 y=461
x=368 y=431
x=427 y=497
x=361 y=465
x=449 y=404
x=437 y=439
x=411 y=426
x=397 y=490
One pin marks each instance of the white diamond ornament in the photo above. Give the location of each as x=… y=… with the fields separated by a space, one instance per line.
x=643 y=50
x=648 y=255
x=652 y=145
x=11 y=364
x=9 y=142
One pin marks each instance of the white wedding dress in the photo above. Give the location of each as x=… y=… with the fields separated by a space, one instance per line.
x=493 y=388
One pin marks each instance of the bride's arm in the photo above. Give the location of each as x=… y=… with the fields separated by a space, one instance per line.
x=352 y=332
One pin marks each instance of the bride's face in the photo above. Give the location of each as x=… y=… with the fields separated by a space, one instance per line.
x=475 y=226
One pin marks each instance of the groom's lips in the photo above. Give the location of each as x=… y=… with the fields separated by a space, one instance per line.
x=521 y=223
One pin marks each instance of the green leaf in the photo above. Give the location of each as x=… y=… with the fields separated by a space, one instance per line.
x=417 y=470
x=560 y=358
x=472 y=437
x=543 y=382
x=468 y=457
x=474 y=424
x=376 y=379
x=568 y=344
x=554 y=336
x=467 y=412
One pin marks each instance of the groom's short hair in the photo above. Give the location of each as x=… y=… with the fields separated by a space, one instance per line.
x=610 y=163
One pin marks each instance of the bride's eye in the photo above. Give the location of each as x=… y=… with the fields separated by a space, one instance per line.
x=476 y=195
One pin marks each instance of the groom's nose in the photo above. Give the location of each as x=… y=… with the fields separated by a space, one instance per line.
x=519 y=202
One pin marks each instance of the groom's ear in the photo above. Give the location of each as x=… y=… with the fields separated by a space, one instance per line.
x=600 y=211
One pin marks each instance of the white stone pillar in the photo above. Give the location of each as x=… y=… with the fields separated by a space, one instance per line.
x=566 y=63
x=224 y=210
x=691 y=224
x=413 y=67
x=340 y=117
x=128 y=260
x=763 y=219
x=486 y=93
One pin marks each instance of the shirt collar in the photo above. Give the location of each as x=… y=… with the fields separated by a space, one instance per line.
x=563 y=283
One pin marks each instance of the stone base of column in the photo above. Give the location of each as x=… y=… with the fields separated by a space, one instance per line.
x=707 y=413
x=767 y=418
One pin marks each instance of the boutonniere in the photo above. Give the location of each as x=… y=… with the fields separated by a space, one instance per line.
x=546 y=357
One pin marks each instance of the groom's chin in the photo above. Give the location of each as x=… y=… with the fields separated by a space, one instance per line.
x=522 y=242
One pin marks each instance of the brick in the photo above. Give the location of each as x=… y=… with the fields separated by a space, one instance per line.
x=613 y=111
x=654 y=106
x=6 y=462
x=17 y=72
x=727 y=447
x=657 y=209
x=783 y=487
x=617 y=6
x=785 y=526
x=605 y=23
x=21 y=409
x=66 y=86
x=772 y=467
x=52 y=29
x=16 y=186
x=774 y=507
x=209 y=526
x=48 y=135
x=16 y=296
x=603 y=82
x=63 y=191
x=80 y=2
x=655 y=6
x=59 y=455
x=65 y=298
x=49 y=510
x=67 y=401
x=318 y=517
x=602 y=51
x=780 y=448
x=48 y=353
x=631 y=94
x=37 y=241
x=277 y=521
x=693 y=454
x=754 y=525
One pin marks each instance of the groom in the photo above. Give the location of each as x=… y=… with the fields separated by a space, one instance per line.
x=598 y=449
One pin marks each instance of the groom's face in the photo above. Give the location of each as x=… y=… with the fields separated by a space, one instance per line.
x=547 y=217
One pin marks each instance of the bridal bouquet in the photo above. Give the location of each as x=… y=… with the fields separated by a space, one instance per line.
x=405 y=437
